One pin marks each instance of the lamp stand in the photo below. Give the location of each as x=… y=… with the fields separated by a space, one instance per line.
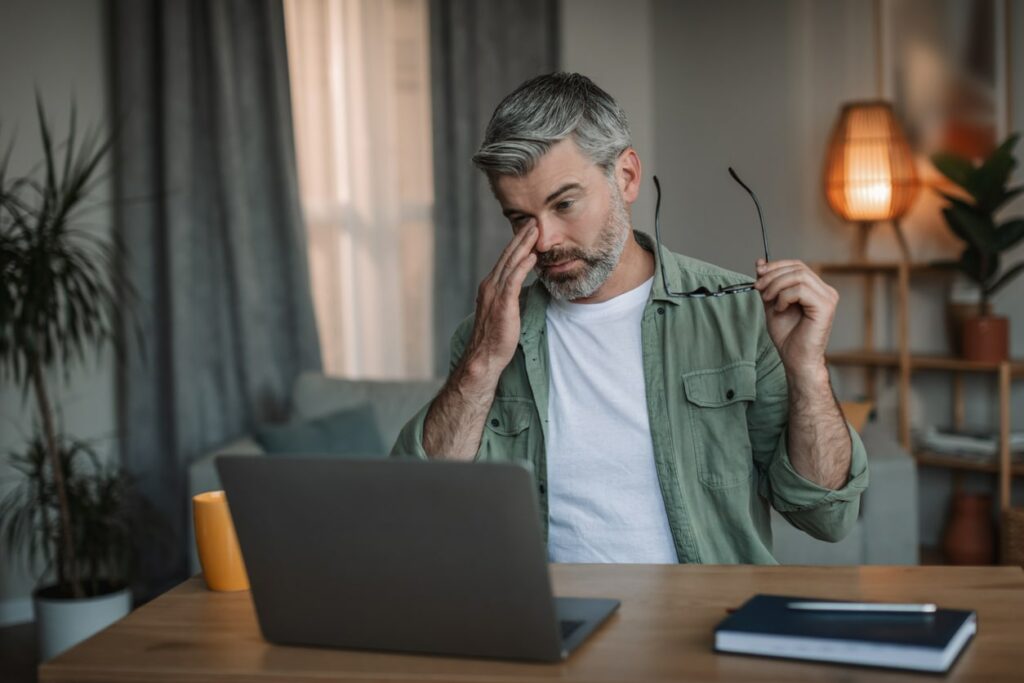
x=860 y=247
x=901 y=239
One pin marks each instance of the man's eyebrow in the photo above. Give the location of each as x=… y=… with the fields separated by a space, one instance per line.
x=563 y=189
x=551 y=197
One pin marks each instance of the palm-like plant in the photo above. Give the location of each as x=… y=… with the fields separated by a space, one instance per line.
x=104 y=509
x=59 y=295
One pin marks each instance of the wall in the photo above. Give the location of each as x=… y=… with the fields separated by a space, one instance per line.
x=610 y=41
x=757 y=85
x=56 y=47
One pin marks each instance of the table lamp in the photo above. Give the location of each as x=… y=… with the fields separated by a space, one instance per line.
x=869 y=170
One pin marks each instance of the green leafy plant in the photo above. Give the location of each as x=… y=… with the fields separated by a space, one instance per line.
x=105 y=512
x=973 y=218
x=59 y=298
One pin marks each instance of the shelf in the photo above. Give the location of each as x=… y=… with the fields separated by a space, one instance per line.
x=920 y=362
x=953 y=462
x=880 y=267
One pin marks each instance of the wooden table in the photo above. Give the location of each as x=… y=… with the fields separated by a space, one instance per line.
x=662 y=632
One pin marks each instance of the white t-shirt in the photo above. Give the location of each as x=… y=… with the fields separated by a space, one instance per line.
x=604 y=501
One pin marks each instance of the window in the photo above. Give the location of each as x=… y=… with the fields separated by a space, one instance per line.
x=360 y=82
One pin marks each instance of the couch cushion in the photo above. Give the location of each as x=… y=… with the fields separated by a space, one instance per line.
x=350 y=432
x=394 y=403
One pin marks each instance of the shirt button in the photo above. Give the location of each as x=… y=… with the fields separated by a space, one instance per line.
x=729 y=394
x=661 y=310
x=495 y=423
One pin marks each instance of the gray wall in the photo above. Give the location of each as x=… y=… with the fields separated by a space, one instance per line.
x=758 y=85
x=56 y=46
x=610 y=41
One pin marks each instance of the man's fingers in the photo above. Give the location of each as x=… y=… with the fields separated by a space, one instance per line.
x=528 y=232
x=780 y=283
x=765 y=268
x=764 y=282
x=524 y=249
x=812 y=290
x=514 y=283
x=792 y=295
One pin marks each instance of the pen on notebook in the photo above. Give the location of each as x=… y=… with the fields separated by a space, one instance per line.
x=913 y=608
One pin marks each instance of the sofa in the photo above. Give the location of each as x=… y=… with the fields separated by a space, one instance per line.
x=886 y=532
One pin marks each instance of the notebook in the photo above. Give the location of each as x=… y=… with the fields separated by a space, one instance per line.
x=766 y=626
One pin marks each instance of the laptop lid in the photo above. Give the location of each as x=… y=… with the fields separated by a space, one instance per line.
x=391 y=554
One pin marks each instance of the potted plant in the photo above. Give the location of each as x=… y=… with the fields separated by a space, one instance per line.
x=60 y=294
x=106 y=517
x=972 y=218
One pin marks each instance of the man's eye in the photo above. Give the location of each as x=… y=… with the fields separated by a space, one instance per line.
x=564 y=205
x=519 y=224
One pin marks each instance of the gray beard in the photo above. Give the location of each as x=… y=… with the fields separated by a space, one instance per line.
x=598 y=262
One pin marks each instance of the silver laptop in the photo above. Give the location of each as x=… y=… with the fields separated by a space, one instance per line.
x=402 y=555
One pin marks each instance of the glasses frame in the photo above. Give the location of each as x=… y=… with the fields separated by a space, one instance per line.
x=703 y=292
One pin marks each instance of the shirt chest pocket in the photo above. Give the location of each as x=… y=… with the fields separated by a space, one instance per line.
x=717 y=401
x=507 y=431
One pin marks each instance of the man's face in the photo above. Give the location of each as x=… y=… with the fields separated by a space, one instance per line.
x=581 y=219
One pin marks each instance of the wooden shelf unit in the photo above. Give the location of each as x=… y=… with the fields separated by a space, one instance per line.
x=955 y=463
x=905 y=363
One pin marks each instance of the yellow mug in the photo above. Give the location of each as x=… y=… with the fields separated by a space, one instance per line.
x=219 y=554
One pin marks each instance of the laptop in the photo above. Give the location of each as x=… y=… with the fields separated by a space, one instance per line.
x=402 y=555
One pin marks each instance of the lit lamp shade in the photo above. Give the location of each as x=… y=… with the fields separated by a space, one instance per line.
x=869 y=170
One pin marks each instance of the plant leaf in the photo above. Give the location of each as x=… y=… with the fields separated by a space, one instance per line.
x=971 y=226
x=978 y=266
x=955 y=167
x=1009 y=234
x=1005 y=279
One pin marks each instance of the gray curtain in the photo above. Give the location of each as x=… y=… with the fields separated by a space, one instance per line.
x=208 y=209
x=480 y=51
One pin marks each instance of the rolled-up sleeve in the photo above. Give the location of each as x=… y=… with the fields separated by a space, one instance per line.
x=409 y=443
x=823 y=513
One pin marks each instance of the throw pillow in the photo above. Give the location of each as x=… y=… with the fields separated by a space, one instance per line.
x=348 y=433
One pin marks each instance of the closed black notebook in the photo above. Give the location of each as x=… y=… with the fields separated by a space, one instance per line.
x=766 y=626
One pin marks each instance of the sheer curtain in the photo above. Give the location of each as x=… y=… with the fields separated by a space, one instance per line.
x=360 y=82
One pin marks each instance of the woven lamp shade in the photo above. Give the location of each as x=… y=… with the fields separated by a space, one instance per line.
x=869 y=170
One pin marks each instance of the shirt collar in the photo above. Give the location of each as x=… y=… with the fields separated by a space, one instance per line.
x=535 y=299
x=673 y=273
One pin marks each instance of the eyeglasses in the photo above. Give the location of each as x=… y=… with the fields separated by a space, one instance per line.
x=704 y=292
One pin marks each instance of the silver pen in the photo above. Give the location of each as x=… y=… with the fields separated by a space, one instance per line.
x=912 y=608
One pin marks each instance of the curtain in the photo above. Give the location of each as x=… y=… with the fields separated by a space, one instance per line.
x=361 y=99
x=480 y=52
x=207 y=207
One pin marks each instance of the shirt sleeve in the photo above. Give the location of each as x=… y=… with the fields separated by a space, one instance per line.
x=410 y=439
x=824 y=513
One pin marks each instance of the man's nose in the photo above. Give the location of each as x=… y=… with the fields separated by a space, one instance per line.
x=548 y=236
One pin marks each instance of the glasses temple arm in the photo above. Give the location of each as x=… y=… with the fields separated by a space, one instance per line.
x=657 y=232
x=760 y=217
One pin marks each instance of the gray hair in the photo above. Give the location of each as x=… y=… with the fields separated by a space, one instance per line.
x=545 y=110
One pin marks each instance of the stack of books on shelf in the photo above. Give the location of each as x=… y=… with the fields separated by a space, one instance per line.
x=969 y=445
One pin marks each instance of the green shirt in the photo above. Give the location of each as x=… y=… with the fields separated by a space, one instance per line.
x=718 y=408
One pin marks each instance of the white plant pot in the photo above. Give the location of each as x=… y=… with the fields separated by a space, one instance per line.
x=63 y=623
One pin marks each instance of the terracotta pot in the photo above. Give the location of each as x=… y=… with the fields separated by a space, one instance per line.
x=957 y=313
x=970 y=533
x=987 y=338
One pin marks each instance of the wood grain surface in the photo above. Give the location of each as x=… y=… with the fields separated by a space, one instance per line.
x=662 y=632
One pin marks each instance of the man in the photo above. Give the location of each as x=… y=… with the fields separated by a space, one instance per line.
x=660 y=428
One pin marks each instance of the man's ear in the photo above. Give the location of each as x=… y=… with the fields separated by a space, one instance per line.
x=628 y=174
